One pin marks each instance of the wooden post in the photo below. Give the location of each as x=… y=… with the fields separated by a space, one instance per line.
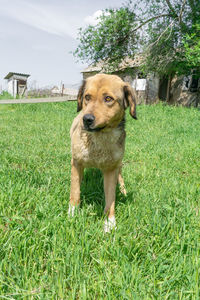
x=147 y=91
x=24 y=89
x=62 y=90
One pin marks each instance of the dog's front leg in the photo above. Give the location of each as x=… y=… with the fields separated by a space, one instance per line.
x=76 y=178
x=110 y=181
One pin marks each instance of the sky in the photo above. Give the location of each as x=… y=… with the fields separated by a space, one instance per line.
x=37 y=37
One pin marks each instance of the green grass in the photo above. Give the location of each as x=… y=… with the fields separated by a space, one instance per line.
x=153 y=254
x=5 y=95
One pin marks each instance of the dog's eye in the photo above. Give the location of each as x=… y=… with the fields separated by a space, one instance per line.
x=108 y=99
x=87 y=97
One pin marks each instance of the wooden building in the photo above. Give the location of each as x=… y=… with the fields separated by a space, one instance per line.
x=147 y=87
x=150 y=88
x=17 y=83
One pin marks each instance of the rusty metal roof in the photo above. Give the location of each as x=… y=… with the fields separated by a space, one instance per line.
x=10 y=74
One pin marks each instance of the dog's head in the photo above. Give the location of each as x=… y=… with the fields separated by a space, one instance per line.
x=103 y=99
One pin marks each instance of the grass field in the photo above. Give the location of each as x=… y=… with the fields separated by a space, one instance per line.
x=155 y=251
x=5 y=95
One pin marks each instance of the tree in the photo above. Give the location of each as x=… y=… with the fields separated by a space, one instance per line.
x=191 y=44
x=111 y=39
x=158 y=29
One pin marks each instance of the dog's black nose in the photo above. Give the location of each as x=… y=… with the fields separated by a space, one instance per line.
x=88 y=119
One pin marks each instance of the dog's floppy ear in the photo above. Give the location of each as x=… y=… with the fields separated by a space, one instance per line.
x=80 y=96
x=130 y=98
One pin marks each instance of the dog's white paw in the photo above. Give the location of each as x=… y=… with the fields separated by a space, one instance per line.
x=71 y=210
x=110 y=224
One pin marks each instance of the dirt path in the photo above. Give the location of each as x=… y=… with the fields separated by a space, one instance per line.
x=39 y=100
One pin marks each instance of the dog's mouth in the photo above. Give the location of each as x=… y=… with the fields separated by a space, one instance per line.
x=89 y=123
x=93 y=129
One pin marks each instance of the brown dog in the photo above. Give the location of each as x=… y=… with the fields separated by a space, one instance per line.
x=98 y=136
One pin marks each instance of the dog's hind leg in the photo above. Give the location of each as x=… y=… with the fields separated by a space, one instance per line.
x=121 y=182
x=76 y=178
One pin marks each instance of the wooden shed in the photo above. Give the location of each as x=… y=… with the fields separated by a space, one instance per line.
x=17 y=83
x=146 y=86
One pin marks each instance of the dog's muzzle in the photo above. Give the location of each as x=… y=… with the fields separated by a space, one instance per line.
x=88 y=122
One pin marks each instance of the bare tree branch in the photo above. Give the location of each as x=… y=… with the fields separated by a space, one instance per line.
x=162 y=33
x=171 y=8
x=149 y=20
x=181 y=11
x=141 y=25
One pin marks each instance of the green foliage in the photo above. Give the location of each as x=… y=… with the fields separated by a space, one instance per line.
x=153 y=254
x=192 y=48
x=110 y=39
x=162 y=30
x=176 y=48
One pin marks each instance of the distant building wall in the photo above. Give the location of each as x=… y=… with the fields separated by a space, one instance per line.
x=88 y=74
x=10 y=87
x=147 y=88
x=152 y=89
x=185 y=91
x=13 y=87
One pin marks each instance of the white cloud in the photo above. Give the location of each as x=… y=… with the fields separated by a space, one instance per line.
x=48 y=18
x=93 y=20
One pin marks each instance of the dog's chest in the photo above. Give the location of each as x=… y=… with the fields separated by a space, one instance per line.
x=99 y=150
